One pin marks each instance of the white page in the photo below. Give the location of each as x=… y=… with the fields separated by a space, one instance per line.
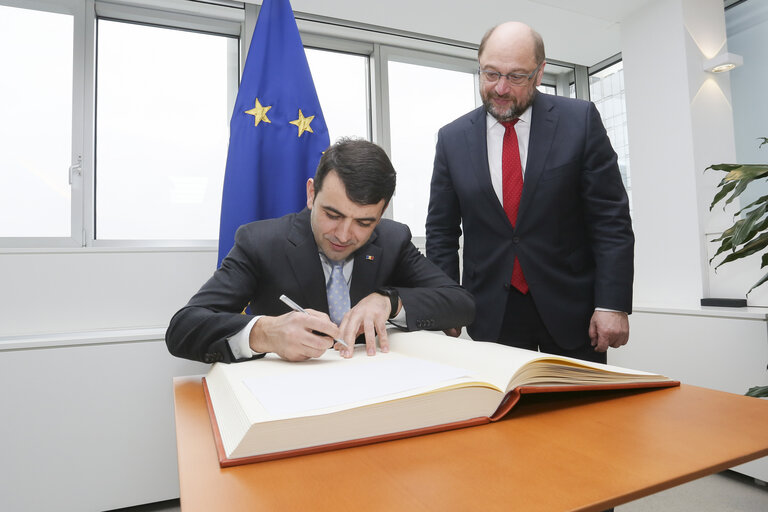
x=341 y=384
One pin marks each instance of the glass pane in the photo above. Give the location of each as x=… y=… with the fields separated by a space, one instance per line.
x=421 y=100
x=162 y=130
x=606 y=90
x=36 y=123
x=341 y=84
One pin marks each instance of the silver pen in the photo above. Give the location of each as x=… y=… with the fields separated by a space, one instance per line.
x=300 y=309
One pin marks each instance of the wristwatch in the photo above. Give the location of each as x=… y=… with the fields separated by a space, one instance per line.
x=394 y=299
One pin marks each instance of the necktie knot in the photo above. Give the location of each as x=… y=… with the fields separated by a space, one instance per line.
x=510 y=124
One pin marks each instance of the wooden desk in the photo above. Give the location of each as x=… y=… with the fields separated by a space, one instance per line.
x=565 y=451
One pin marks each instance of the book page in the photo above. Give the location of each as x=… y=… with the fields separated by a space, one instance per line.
x=345 y=383
x=507 y=367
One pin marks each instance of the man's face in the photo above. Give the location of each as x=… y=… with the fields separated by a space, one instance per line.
x=340 y=226
x=507 y=53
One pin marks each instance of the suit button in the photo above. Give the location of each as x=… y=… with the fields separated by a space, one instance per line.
x=515 y=239
x=506 y=286
x=209 y=358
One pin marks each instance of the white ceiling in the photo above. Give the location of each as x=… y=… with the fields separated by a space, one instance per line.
x=579 y=31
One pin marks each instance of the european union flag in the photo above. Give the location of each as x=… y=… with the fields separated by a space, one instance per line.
x=277 y=133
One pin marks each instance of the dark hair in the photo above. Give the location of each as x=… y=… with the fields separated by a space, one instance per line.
x=538 y=44
x=363 y=167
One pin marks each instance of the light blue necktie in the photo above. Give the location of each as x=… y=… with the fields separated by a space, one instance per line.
x=338 y=294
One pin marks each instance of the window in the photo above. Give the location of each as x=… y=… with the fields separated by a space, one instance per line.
x=162 y=130
x=115 y=124
x=422 y=99
x=606 y=90
x=341 y=82
x=36 y=122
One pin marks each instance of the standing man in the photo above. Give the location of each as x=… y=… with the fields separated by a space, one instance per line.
x=338 y=257
x=534 y=181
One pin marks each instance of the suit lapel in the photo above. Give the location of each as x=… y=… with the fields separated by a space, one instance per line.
x=544 y=118
x=367 y=261
x=303 y=255
x=477 y=147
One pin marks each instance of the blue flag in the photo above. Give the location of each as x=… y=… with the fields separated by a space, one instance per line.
x=277 y=133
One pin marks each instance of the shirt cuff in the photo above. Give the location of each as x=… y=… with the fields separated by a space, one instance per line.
x=240 y=342
x=400 y=319
x=611 y=310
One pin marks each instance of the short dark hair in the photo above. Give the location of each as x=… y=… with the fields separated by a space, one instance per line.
x=363 y=167
x=538 y=44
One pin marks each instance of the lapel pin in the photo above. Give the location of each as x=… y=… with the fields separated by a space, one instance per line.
x=369 y=257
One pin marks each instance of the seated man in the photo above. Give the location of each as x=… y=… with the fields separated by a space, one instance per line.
x=338 y=247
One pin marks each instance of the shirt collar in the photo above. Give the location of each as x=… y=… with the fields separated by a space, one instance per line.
x=525 y=117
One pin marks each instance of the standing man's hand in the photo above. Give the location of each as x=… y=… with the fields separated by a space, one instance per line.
x=294 y=336
x=369 y=316
x=453 y=332
x=608 y=329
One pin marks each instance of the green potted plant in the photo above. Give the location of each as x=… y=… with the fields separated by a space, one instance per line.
x=747 y=235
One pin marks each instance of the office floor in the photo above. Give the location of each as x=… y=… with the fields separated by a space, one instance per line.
x=722 y=492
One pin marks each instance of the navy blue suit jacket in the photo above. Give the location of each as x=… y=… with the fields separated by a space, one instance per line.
x=573 y=237
x=280 y=256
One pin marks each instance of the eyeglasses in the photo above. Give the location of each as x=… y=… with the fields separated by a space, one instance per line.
x=513 y=78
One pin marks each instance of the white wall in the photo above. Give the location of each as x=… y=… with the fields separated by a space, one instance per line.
x=680 y=121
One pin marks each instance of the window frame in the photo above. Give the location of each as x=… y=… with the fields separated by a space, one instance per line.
x=229 y=18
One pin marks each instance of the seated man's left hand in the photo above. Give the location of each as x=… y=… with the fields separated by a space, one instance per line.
x=369 y=316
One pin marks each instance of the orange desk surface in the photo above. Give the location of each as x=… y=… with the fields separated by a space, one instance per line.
x=566 y=451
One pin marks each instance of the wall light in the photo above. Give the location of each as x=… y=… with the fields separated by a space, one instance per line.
x=723 y=62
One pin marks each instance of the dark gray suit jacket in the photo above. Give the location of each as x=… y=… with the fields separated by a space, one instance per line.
x=573 y=237
x=280 y=256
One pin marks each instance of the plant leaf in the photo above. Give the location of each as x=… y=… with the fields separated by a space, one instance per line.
x=757 y=391
x=746 y=231
x=726 y=245
x=765 y=141
x=723 y=167
x=747 y=172
x=748 y=250
x=729 y=232
x=761 y=281
x=754 y=203
x=727 y=187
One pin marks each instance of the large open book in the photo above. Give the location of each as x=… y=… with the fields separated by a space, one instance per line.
x=269 y=408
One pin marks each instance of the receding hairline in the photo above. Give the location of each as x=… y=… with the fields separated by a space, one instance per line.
x=538 y=42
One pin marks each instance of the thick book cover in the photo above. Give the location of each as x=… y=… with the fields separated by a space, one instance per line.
x=269 y=409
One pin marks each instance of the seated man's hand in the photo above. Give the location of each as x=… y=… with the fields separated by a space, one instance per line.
x=294 y=336
x=369 y=316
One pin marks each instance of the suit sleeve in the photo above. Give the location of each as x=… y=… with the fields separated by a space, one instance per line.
x=443 y=226
x=431 y=299
x=200 y=330
x=606 y=212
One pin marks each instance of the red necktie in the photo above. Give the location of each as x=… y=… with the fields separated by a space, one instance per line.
x=512 y=189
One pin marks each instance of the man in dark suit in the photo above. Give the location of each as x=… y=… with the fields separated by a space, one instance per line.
x=340 y=239
x=534 y=182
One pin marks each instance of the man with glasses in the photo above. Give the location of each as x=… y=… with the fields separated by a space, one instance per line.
x=534 y=183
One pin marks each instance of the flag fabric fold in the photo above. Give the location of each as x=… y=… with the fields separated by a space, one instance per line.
x=277 y=132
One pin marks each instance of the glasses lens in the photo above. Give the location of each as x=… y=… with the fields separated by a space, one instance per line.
x=489 y=76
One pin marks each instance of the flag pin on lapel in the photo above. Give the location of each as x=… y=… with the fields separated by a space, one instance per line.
x=369 y=257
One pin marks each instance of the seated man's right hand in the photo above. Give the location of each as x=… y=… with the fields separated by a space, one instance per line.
x=294 y=336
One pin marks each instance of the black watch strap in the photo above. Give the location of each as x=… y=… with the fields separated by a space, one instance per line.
x=393 y=299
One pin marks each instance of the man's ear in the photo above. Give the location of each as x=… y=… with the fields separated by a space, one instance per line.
x=310 y=193
x=540 y=73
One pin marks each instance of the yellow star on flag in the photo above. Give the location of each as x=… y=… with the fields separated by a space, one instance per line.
x=303 y=123
x=259 y=113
